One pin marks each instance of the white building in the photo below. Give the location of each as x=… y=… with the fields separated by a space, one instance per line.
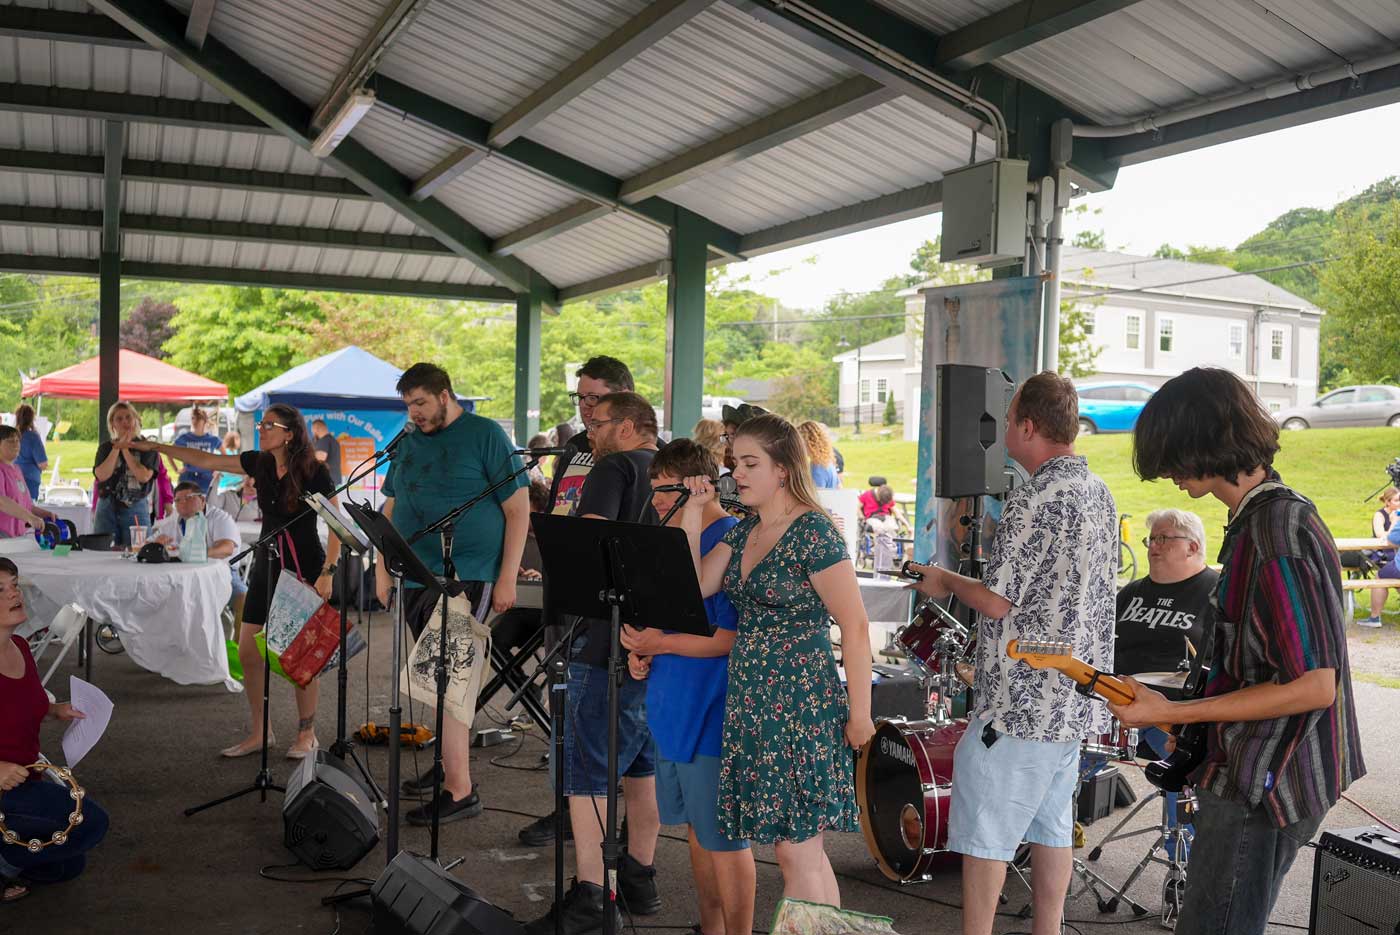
x=1152 y=318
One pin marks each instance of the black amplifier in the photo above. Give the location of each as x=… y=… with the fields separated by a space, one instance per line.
x=1356 y=883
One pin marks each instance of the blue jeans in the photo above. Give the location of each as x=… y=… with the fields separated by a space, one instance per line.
x=586 y=732
x=36 y=810
x=118 y=520
x=1234 y=875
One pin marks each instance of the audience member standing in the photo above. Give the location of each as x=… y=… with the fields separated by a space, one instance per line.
x=33 y=460
x=199 y=437
x=327 y=449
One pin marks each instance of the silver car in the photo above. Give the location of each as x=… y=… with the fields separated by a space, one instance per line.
x=1348 y=407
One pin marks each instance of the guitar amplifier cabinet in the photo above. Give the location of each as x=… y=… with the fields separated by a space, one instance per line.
x=1356 y=883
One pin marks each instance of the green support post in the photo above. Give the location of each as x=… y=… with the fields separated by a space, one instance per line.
x=685 y=324
x=109 y=275
x=528 y=309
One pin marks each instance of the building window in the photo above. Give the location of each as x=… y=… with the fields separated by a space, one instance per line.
x=1164 y=335
x=1088 y=322
x=1276 y=344
x=1134 y=332
x=1275 y=405
x=865 y=391
x=882 y=388
x=1237 y=340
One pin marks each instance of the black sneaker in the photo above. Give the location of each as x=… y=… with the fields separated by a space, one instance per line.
x=636 y=886
x=422 y=785
x=449 y=809
x=540 y=832
x=584 y=905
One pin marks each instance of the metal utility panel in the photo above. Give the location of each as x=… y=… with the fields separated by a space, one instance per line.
x=984 y=212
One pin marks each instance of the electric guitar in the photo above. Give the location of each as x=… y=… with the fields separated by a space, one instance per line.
x=1169 y=774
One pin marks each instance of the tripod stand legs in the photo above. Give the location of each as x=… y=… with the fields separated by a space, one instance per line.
x=263 y=781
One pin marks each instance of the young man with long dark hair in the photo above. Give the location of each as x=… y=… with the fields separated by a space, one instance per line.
x=284 y=469
x=1282 y=743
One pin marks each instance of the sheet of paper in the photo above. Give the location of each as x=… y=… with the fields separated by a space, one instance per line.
x=82 y=735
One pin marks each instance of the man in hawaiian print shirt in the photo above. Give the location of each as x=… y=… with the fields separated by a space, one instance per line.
x=1050 y=576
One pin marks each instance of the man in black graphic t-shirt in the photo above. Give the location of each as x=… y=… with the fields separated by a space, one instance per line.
x=1160 y=614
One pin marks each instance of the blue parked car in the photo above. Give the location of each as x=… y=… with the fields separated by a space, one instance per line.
x=1111 y=407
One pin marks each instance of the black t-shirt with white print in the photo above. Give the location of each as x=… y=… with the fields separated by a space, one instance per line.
x=1153 y=618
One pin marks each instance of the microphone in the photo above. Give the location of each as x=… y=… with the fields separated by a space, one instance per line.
x=542 y=452
x=408 y=429
x=726 y=486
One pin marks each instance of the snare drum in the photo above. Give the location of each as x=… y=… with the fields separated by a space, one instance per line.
x=904 y=784
x=1118 y=743
x=931 y=637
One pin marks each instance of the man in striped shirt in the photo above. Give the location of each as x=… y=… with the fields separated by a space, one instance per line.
x=1282 y=743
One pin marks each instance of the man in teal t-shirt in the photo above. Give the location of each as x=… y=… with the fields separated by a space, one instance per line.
x=452 y=457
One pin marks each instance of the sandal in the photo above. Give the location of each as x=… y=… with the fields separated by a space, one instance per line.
x=12 y=891
x=246 y=747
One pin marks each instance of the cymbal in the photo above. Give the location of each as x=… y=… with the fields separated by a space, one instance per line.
x=1162 y=679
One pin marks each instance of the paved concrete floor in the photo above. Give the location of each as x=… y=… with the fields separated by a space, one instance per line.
x=160 y=872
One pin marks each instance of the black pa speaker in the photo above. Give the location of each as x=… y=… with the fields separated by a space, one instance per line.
x=414 y=896
x=970 y=440
x=328 y=818
x=1356 y=883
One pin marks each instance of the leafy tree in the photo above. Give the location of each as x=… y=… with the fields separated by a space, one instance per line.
x=242 y=335
x=1078 y=354
x=890 y=415
x=1089 y=240
x=1361 y=291
x=802 y=396
x=147 y=327
x=1167 y=252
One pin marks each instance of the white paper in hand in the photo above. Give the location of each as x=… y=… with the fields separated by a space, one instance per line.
x=82 y=735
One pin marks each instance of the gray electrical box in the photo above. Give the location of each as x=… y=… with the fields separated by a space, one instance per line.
x=984 y=212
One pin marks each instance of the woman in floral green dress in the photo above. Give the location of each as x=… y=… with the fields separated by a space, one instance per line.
x=787 y=771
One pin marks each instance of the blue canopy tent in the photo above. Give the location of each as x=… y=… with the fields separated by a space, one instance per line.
x=352 y=390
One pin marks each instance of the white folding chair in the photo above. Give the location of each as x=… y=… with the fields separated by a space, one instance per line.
x=66 y=627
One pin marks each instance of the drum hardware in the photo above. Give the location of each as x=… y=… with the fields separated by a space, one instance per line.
x=75 y=817
x=1170 y=848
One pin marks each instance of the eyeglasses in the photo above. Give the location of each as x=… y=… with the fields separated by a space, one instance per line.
x=264 y=426
x=594 y=424
x=590 y=398
x=727 y=438
x=1150 y=541
x=187 y=497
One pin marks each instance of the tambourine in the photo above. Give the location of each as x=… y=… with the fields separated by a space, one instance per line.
x=75 y=817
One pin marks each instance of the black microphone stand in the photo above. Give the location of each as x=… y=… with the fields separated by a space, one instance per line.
x=443 y=526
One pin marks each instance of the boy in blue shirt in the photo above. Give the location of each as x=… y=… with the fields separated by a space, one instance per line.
x=687 y=678
x=198 y=436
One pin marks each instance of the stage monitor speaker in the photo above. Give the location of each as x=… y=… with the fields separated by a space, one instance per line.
x=1356 y=883
x=328 y=818
x=970 y=440
x=414 y=896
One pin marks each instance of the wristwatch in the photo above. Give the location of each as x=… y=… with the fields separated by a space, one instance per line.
x=329 y=570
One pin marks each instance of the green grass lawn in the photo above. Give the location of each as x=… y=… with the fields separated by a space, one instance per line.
x=74 y=460
x=1336 y=468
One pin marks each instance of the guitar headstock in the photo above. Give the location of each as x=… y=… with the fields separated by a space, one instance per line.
x=1042 y=654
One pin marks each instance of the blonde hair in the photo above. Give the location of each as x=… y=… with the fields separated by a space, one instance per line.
x=781 y=442
x=709 y=434
x=119 y=405
x=1387 y=493
x=814 y=436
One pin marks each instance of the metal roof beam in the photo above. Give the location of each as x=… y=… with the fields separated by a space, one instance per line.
x=58 y=26
x=862 y=35
x=451 y=167
x=582 y=179
x=1372 y=89
x=105 y=105
x=273 y=279
x=163 y=27
x=642 y=31
x=197 y=26
x=397 y=15
x=1020 y=25
x=900 y=206
x=822 y=109
x=566 y=219
x=172 y=173
x=161 y=226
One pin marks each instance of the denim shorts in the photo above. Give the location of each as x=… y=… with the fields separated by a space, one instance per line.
x=239 y=585
x=688 y=794
x=586 y=732
x=1013 y=791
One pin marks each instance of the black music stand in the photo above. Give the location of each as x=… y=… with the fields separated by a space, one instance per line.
x=622 y=572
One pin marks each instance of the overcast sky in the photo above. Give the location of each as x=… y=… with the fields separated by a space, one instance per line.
x=1216 y=196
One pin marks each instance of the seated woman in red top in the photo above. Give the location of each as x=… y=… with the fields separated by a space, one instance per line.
x=33 y=807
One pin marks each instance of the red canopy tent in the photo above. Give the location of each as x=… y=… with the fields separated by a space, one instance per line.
x=143 y=380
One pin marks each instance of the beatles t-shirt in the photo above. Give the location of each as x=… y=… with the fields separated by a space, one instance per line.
x=1153 y=618
x=571 y=470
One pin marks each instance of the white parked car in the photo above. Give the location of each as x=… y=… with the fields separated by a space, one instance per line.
x=1348 y=407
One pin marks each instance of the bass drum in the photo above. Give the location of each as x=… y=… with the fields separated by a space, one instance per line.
x=904 y=785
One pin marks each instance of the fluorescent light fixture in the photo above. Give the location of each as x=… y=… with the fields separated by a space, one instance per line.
x=349 y=114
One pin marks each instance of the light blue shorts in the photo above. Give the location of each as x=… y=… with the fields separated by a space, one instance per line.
x=688 y=794
x=1013 y=791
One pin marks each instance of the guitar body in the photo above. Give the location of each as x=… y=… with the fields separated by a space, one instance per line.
x=1171 y=774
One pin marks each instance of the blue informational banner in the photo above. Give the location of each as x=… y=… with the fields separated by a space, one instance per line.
x=360 y=432
x=987 y=324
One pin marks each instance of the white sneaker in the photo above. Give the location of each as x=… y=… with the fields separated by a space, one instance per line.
x=1373 y=623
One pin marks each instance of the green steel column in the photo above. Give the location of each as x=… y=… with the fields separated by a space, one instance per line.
x=685 y=324
x=528 y=307
x=109 y=274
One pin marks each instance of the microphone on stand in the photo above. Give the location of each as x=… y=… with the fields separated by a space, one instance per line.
x=538 y=453
x=408 y=429
x=726 y=486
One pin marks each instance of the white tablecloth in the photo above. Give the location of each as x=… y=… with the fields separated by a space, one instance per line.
x=168 y=616
x=79 y=516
